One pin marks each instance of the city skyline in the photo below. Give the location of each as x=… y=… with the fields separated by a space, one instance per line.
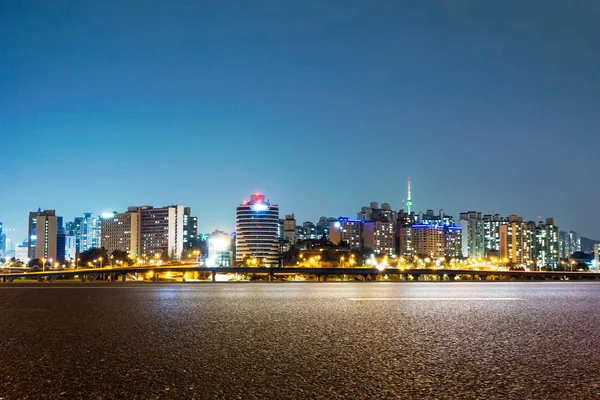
x=231 y=226
x=488 y=107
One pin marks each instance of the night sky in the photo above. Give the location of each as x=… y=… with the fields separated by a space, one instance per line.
x=323 y=106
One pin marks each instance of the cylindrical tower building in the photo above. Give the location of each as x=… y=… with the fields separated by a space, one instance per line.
x=257 y=232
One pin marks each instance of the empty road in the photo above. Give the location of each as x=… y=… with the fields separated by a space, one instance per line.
x=512 y=340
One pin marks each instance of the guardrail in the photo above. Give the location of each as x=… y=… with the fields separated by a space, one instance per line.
x=91 y=274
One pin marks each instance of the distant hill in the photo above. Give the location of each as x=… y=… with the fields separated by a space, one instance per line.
x=587 y=244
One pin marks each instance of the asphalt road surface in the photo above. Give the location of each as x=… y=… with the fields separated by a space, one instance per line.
x=521 y=340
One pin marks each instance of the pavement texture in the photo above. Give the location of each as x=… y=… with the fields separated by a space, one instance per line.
x=513 y=340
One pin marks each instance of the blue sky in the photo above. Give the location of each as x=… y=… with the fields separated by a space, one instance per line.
x=323 y=106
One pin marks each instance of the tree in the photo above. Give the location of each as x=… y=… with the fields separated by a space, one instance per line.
x=120 y=255
x=89 y=256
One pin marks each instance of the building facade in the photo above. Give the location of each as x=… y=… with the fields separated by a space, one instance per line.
x=347 y=230
x=515 y=241
x=289 y=229
x=473 y=234
x=257 y=232
x=491 y=234
x=190 y=229
x=161 y=231
x=121 y=231
x=43 y=235
x=570 y=242
x=546 y=245
x=89 y=232
x=380 y=237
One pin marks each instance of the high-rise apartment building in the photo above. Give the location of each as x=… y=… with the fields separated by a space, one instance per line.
x=347 y=230
x=597 y=257
x=473 y=234
x=257 y=231
x=428 y=240
x=161 y=231
x=546 y=245
x=43 y=235
x=491 y=234
x=570 y=242
x=515 y=241
x=121 y=231
x=380 y=237
x=433 y=241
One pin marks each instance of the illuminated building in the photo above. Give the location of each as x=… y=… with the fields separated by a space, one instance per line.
x=491 y=234
x=310 y=231
x=374 y=213
x=546 y=244
x=379 y=236
x=257 y=232
x=429 y=218
x=515 y=241
x=43 y=235
x=428 y=240
x=161 y=231
x=121 y=231
x=570 y=242
x=597 y=257
x=473 y=234
x=89 y=232
x=219 y=250
x=347 y=230
x=190 y=229
x=432 y=240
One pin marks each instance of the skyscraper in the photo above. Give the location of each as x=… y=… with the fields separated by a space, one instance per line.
x=515 y=241
x=257 y=231
x=473 y=234
x=570 y=242
x=491 y=234
x=546 y=245
x=89 y=232
x=121 y=231
x=43 y=235
x=161 y=231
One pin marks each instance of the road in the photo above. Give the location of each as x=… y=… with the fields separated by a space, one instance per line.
x=513 y=340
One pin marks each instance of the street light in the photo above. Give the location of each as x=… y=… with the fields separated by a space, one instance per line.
x=100 y=258
x=43 y=264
